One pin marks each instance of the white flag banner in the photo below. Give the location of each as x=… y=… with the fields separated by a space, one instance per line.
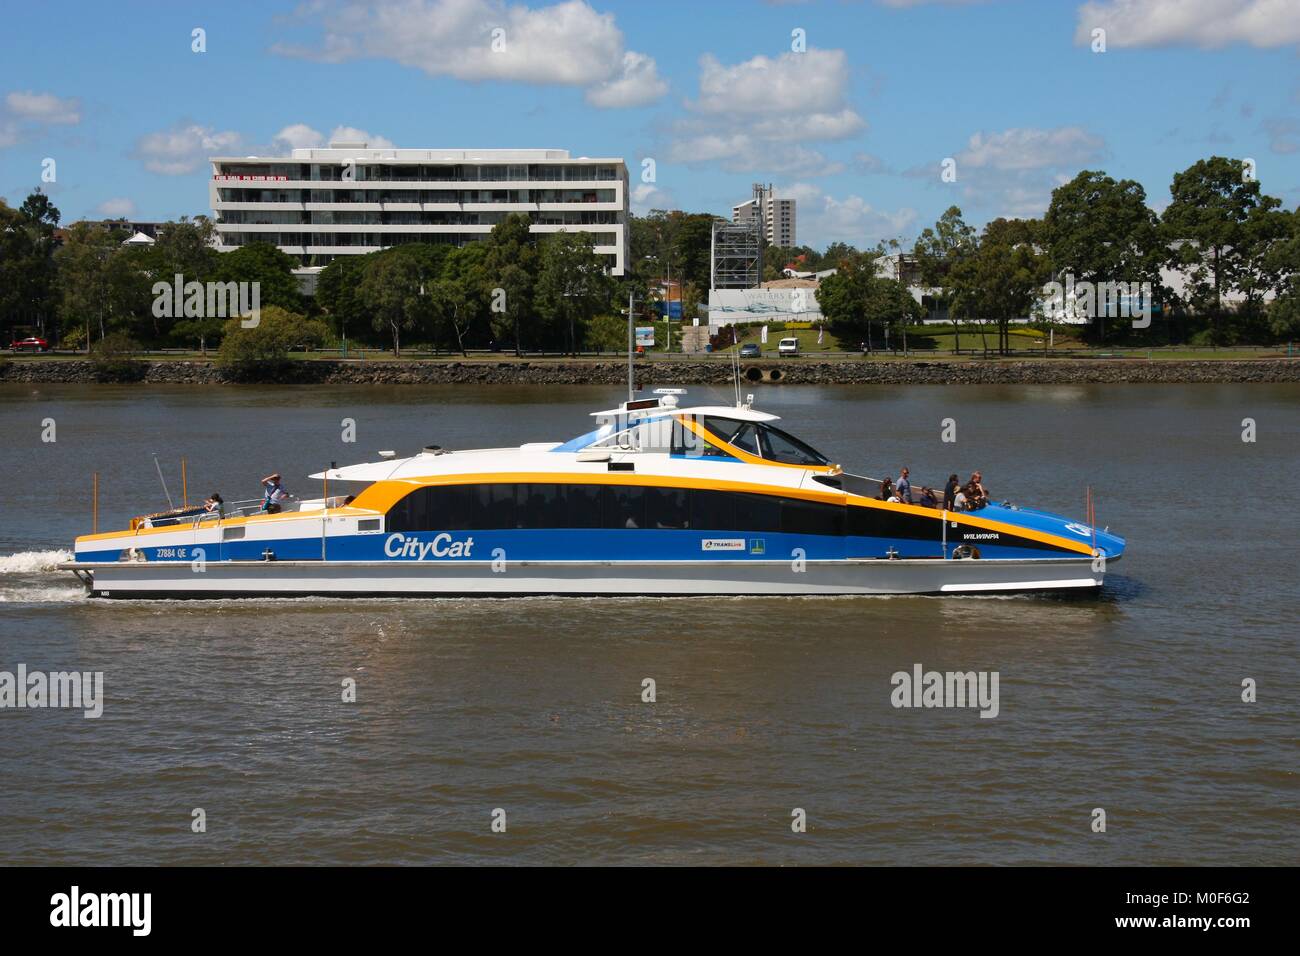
x=820 y=330
x=764 y=335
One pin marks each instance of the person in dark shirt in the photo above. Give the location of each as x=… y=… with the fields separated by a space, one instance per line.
x=950 y=493
x=928 y=500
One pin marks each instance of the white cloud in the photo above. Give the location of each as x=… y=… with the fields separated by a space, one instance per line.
x=23 y=112
x=638 y=85
x=814 y=81
x=759 y=115
x=647 y=196
x=350 y=134
x=184 y=148
x=297 y=136
x=116 y=208
x=823 y=218
x=1015 y=150
x=1013 y=172
x=45 y=108
x=1202 y=23
x=302 y=136
x=566 y=43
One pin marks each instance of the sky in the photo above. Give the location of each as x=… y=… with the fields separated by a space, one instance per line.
x=854 y=109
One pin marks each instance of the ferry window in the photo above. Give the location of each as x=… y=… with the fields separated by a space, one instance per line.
x=540 y=506
x=758 y=513
x=712 y=510
x=495 y=507
x=667 y=508
x=780 y=446
x=582 y=506
x=622 y=506
x=452 y=508
x=409 y=513
x=746 y=439
x=811 y=517
x=724 y=428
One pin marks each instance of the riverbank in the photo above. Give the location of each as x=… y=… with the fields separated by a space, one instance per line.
x=680 y=372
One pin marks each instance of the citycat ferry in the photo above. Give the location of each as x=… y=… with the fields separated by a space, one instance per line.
x=658 y=499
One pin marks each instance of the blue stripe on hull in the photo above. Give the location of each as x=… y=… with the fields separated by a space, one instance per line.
x=572 y=545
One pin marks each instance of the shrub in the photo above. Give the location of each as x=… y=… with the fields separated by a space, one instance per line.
x=249 y=354
x=112 y=359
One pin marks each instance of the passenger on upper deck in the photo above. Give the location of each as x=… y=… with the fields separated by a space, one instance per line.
x=904 y=487
x=976 y=493
x=950 y=494
x=214 y=503
x=928 y=499
x=275 y=493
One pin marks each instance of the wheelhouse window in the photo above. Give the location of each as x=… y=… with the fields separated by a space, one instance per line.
x=764 y=441
x=784 y=447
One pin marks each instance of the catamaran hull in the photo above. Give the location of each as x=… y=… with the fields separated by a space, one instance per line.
x=243 y=579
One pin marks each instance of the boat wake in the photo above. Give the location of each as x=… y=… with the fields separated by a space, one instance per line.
x=31 y=577
x=33 y=562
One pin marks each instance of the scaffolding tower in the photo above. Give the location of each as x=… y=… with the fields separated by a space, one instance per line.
x=736 y=254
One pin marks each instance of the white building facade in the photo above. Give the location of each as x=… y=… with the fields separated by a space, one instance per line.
x=348 y=199
x=777 y=215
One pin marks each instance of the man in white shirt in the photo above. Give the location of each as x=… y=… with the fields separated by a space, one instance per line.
x=275 y=492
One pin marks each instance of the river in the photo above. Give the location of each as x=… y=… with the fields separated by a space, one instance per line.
x=1129 y=702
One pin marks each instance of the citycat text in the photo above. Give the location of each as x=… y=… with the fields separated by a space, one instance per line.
x=399 y=545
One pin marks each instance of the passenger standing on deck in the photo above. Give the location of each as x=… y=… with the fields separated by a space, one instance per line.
x=904 y=487
x=950 y=494
x=275 y=493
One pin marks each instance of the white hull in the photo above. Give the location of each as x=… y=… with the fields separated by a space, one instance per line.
x=176 y=580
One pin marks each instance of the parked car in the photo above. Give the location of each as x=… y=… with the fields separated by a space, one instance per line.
x=787 y=347
x=30 y=344
x=750 y=350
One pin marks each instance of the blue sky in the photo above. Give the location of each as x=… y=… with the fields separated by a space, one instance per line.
x=855 y=127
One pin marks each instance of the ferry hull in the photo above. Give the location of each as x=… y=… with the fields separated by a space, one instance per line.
x=241 y=579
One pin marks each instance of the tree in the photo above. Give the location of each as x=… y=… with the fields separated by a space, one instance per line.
x=1099 y=230
x=1004 y=277
x=1206 y=226
x=510 y=264
x=459 y=296
x=391 y=290
x=338 y=295
x=857 y=297
x=572 y=285
x=249 y=352
x=185 y=248
x=83 y=275
x=27 y=270
x=266 y=265
x=843 y=296
x=938 y=250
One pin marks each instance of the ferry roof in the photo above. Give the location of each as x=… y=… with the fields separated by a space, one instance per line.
x=741 y=413
x=541 y=456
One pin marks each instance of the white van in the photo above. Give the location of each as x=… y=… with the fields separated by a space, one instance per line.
x=787 y=347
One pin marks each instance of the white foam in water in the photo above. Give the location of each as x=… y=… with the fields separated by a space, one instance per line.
x=31 y=562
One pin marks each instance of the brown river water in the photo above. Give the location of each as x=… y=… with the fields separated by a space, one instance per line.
x=1130 y=701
